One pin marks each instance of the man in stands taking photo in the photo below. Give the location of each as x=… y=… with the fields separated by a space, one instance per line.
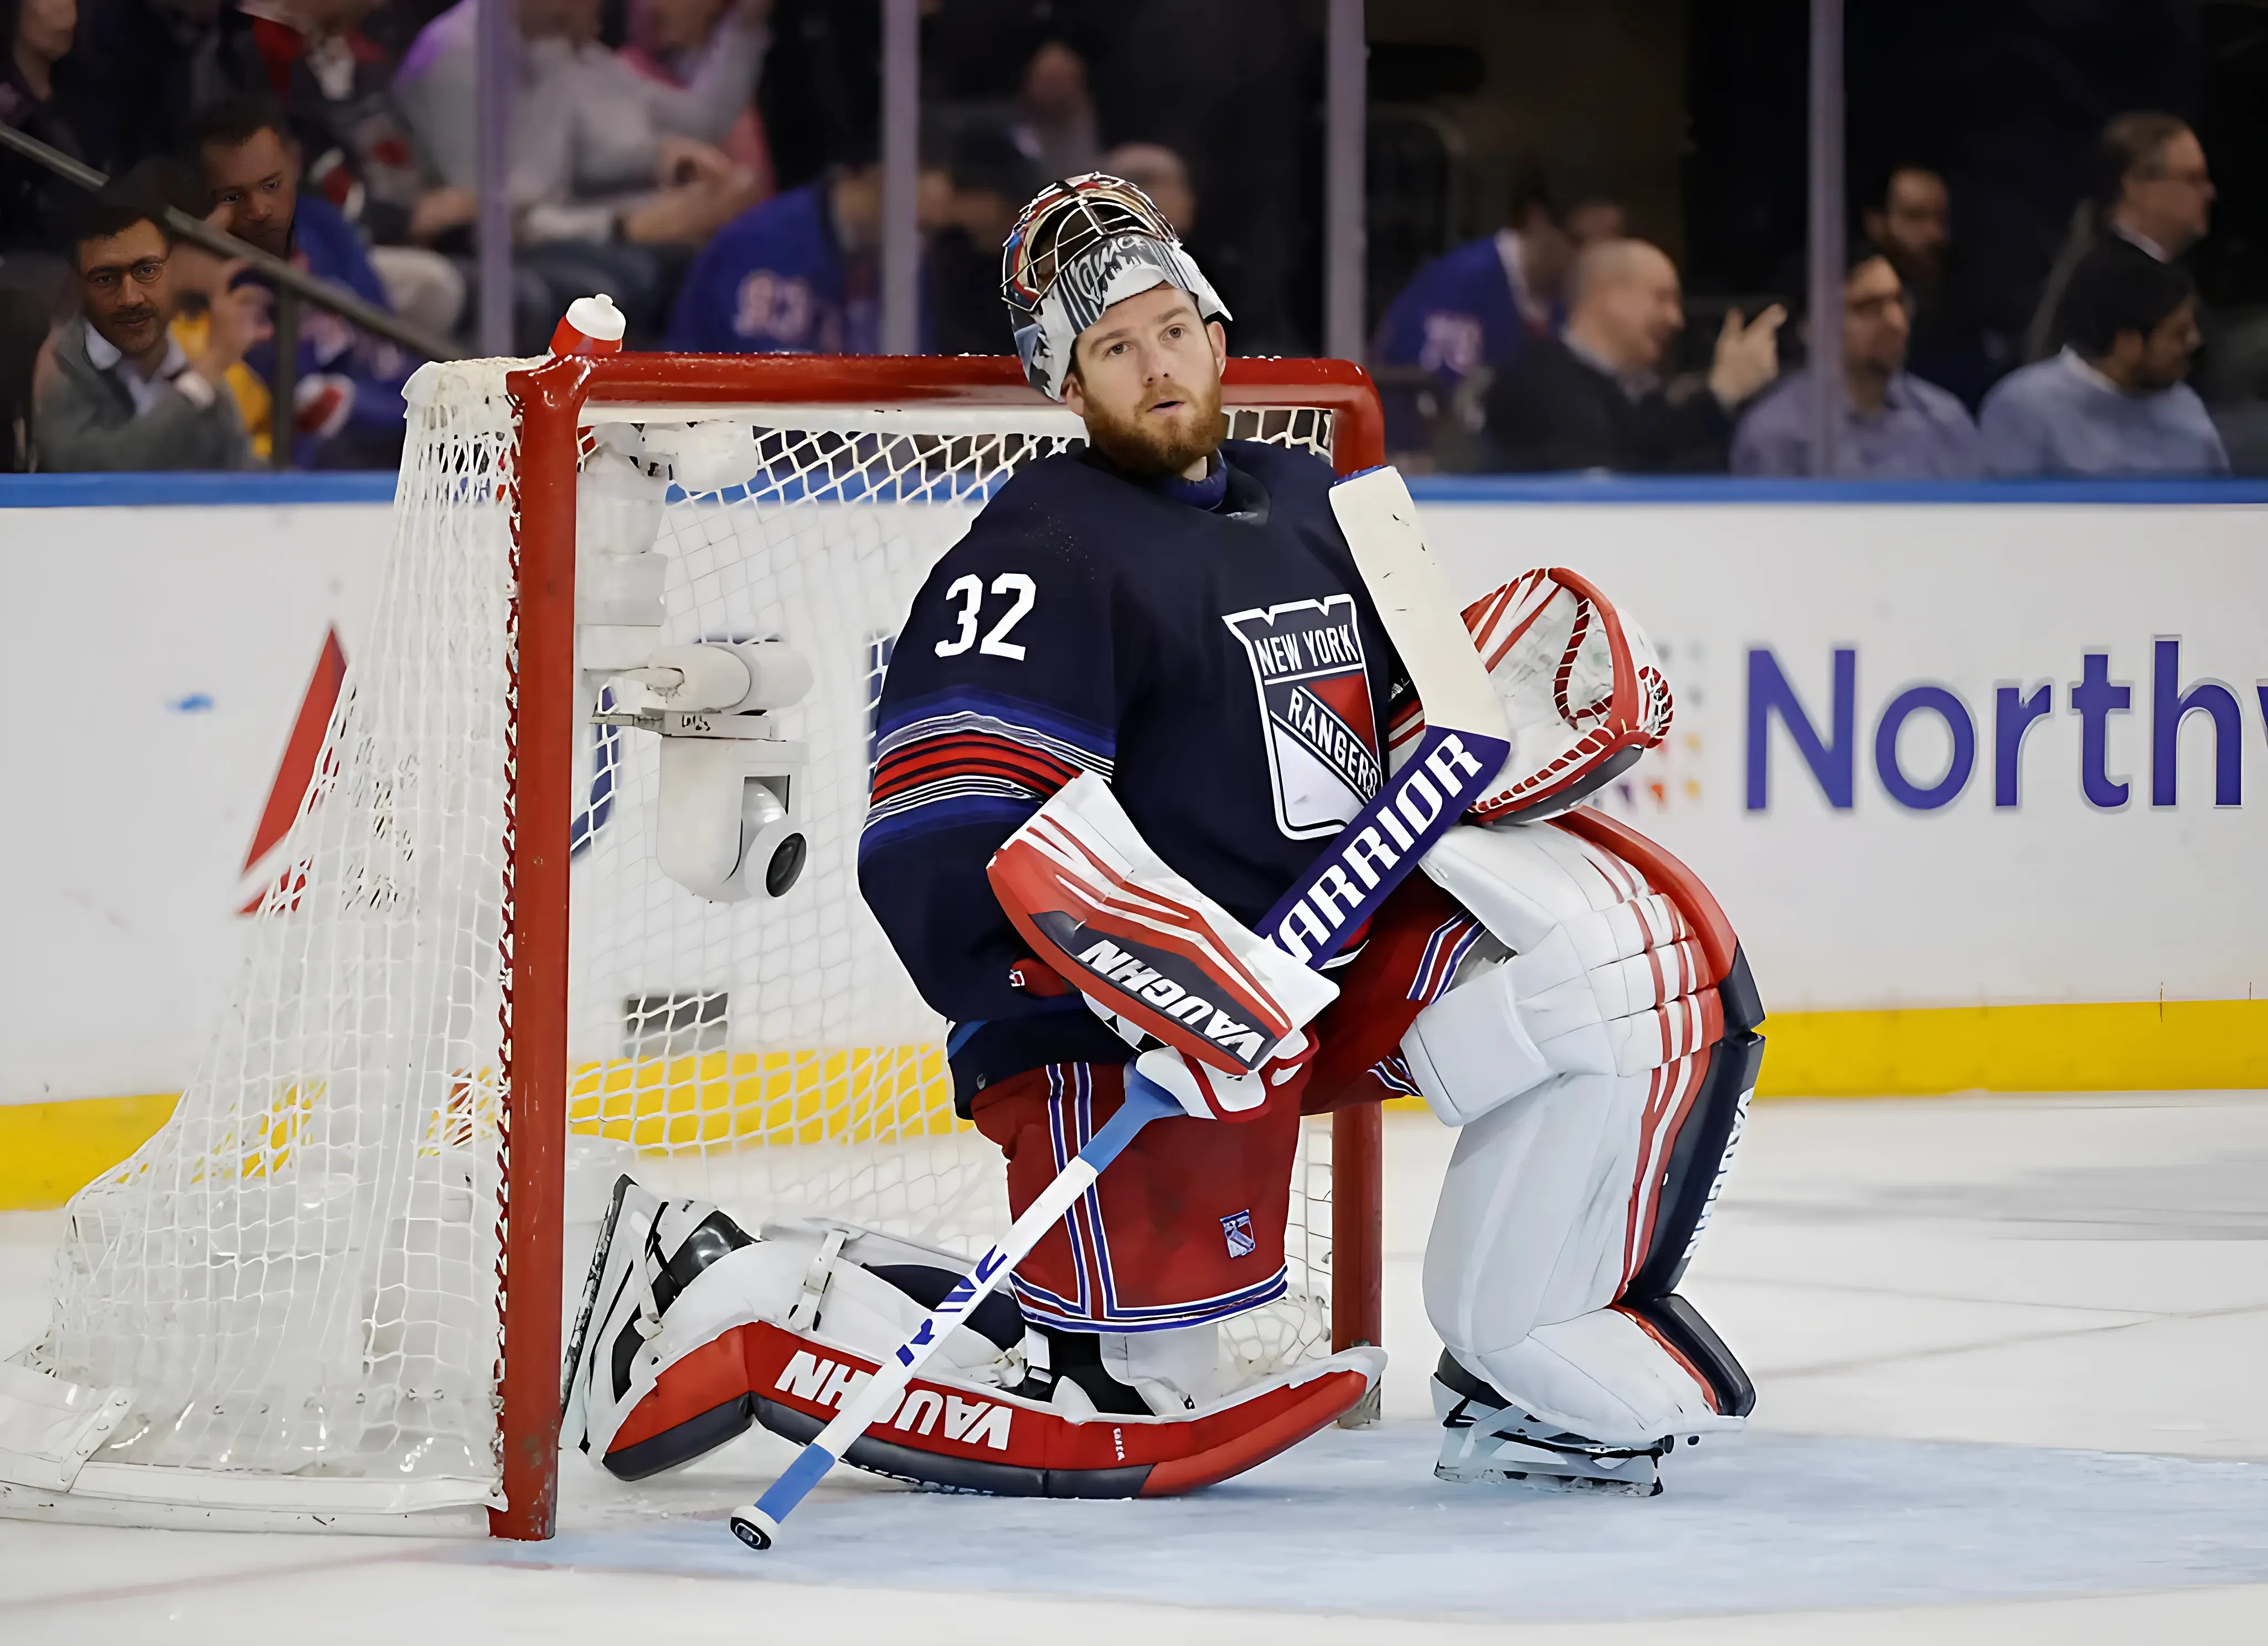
x=114 y=389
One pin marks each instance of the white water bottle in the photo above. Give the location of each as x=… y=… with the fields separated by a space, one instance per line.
x=592 y=325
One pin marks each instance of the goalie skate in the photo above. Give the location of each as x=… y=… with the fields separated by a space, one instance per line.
x=1484 y=1439
x=649 y=1252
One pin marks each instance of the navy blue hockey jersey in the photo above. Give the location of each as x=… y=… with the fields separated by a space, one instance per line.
x=1221 y=667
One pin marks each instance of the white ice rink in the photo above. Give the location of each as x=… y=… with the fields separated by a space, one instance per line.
x=2010 y=1365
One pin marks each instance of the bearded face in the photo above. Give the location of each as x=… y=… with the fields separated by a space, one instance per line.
x=1174 y=428
x=1148 y=385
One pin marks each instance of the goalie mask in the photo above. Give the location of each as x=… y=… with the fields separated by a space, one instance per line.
x=1079 y=246
x=1579 y=682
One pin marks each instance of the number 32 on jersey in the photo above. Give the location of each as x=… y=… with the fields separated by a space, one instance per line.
x=969 y=591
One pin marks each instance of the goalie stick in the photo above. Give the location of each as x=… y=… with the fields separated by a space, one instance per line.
x=1465 y=742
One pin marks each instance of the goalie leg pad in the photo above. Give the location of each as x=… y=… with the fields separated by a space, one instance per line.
x=950 y=1437
x=1469 y=1052
x=650 y=1253
x=1600 y=1104
x=1594 y=1401
x=1613 y=1378
x=1585 y=1189
x=782 y=1330
x=1185 y=1229
x=1532 y=1225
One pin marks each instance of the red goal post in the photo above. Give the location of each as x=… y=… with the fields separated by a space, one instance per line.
x=552 y=403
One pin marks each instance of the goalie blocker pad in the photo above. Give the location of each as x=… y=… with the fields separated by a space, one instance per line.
x=1105 y=912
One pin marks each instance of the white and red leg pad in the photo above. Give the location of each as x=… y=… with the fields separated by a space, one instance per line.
x=725 y=1356
x=1600 y=1074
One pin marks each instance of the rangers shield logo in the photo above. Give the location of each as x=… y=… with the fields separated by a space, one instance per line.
x=1308 y=668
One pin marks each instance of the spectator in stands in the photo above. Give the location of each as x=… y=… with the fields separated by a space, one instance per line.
x=1481 y=304
x=34 y=202
x=139 y=69
x=36 y=208
x=2152 y=190
x=1160 y=174
x=199 y=277
x=336 y=86
x=795 y=275
x=1057 y=129
x=1590 y=219
x=348 y=396
x=967 y=209
x=1894 y=425
x=1594 y=398
x=23 y=335
x=799 y=274
x=671 y=41
x=2113 y=401
x=614 y=177
x=115 y=390
x=1909 y=218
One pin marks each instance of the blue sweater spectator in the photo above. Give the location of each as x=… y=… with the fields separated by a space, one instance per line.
x=1472 y=308
x=2065 y=416
x=2113 y=402
x=778 y=279
x=352 y=414
x=1894 y=425
x=348 y=411
x=1918 y=431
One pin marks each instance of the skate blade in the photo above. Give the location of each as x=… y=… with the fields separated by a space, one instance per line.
x=1536 y=1480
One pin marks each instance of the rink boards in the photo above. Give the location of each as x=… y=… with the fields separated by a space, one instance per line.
x=1975 y=777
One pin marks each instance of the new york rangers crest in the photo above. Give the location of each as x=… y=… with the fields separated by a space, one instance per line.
x=1308 y=670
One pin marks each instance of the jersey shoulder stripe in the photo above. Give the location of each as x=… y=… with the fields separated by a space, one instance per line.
x=964 y=756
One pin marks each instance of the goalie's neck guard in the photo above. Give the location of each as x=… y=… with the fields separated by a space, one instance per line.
x=1079 y=246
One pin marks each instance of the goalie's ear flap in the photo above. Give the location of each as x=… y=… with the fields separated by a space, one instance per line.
x=1582 y=686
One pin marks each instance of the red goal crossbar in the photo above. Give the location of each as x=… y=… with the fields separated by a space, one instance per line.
x=550 y=400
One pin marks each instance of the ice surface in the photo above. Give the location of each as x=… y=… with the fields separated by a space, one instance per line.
x=2007 y=1354
x=1354 y=1521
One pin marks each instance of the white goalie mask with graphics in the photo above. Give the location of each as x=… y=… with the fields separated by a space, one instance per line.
x=1079 y=246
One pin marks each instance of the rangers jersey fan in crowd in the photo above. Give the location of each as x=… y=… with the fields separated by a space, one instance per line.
x=1151 y=673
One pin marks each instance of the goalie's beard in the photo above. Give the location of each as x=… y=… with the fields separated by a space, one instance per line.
x=1143 y=449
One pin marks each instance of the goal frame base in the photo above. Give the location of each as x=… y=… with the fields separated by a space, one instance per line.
x=215 y=1500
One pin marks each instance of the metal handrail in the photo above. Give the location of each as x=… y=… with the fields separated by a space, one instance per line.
x=323 y=293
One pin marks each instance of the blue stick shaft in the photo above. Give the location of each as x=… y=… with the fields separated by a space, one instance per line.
x=810 y=1468
x=1145 y=1100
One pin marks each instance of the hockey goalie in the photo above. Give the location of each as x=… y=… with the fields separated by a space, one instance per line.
x=1127 y=711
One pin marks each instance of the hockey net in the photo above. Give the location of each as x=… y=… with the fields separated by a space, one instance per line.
x=329 y=1290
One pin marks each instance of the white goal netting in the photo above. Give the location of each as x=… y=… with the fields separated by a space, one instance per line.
x=297 y=1276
